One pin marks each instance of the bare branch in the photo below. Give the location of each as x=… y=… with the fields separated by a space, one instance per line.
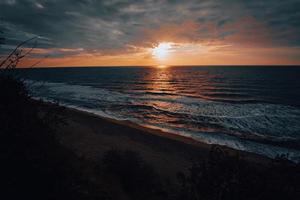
x=15 y=53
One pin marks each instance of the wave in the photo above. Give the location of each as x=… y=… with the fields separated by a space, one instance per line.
x=245 y=126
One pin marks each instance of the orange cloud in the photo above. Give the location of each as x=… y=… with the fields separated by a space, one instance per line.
x=181 y=54
x=249 y=43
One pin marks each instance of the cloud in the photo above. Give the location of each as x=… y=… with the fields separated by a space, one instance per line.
x=110 y=27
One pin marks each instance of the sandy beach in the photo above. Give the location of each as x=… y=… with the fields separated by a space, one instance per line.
x=90 y=135
x=56 y=152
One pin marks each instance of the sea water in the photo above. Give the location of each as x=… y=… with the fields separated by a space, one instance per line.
x=250 y=108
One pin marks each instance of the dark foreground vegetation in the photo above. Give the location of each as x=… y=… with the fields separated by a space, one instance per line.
x=35 y=166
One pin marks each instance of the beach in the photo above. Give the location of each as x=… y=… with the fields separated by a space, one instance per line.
x=49 y=151
x=237 y=111
x=90 y=135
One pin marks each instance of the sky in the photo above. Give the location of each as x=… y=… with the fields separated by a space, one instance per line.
x=152 y=32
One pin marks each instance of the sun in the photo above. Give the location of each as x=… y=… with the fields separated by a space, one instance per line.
x=162 y=66
x=162 y=50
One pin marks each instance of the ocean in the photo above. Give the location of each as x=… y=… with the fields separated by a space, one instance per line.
x=254 y=109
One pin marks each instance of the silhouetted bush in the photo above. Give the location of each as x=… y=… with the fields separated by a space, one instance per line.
x=138 y=178
x=33 y=164
x=225 y=177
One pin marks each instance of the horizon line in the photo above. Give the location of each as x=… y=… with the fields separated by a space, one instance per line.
x=155 y=66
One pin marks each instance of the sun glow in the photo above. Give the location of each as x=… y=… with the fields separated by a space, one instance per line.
x=161 y=51
x=161 y=66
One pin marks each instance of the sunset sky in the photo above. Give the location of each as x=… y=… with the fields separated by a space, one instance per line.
x=152 y=32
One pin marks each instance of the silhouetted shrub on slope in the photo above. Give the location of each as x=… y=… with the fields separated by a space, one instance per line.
x=225 y=177
x=33 y=164
x=138 y=178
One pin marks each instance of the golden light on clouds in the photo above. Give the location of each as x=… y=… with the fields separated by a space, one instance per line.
x=168 y=54
x=156 y=33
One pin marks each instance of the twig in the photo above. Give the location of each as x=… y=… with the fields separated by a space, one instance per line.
x=14 y=53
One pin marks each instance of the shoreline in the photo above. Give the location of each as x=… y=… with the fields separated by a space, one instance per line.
x=58 y=152
x=260 y=149
x=183 y=140
x=266 y=144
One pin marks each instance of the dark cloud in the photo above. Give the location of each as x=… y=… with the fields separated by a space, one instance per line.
x=282 y=17
x=112 y=25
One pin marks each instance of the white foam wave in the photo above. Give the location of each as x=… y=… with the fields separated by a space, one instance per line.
x=261 y=120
